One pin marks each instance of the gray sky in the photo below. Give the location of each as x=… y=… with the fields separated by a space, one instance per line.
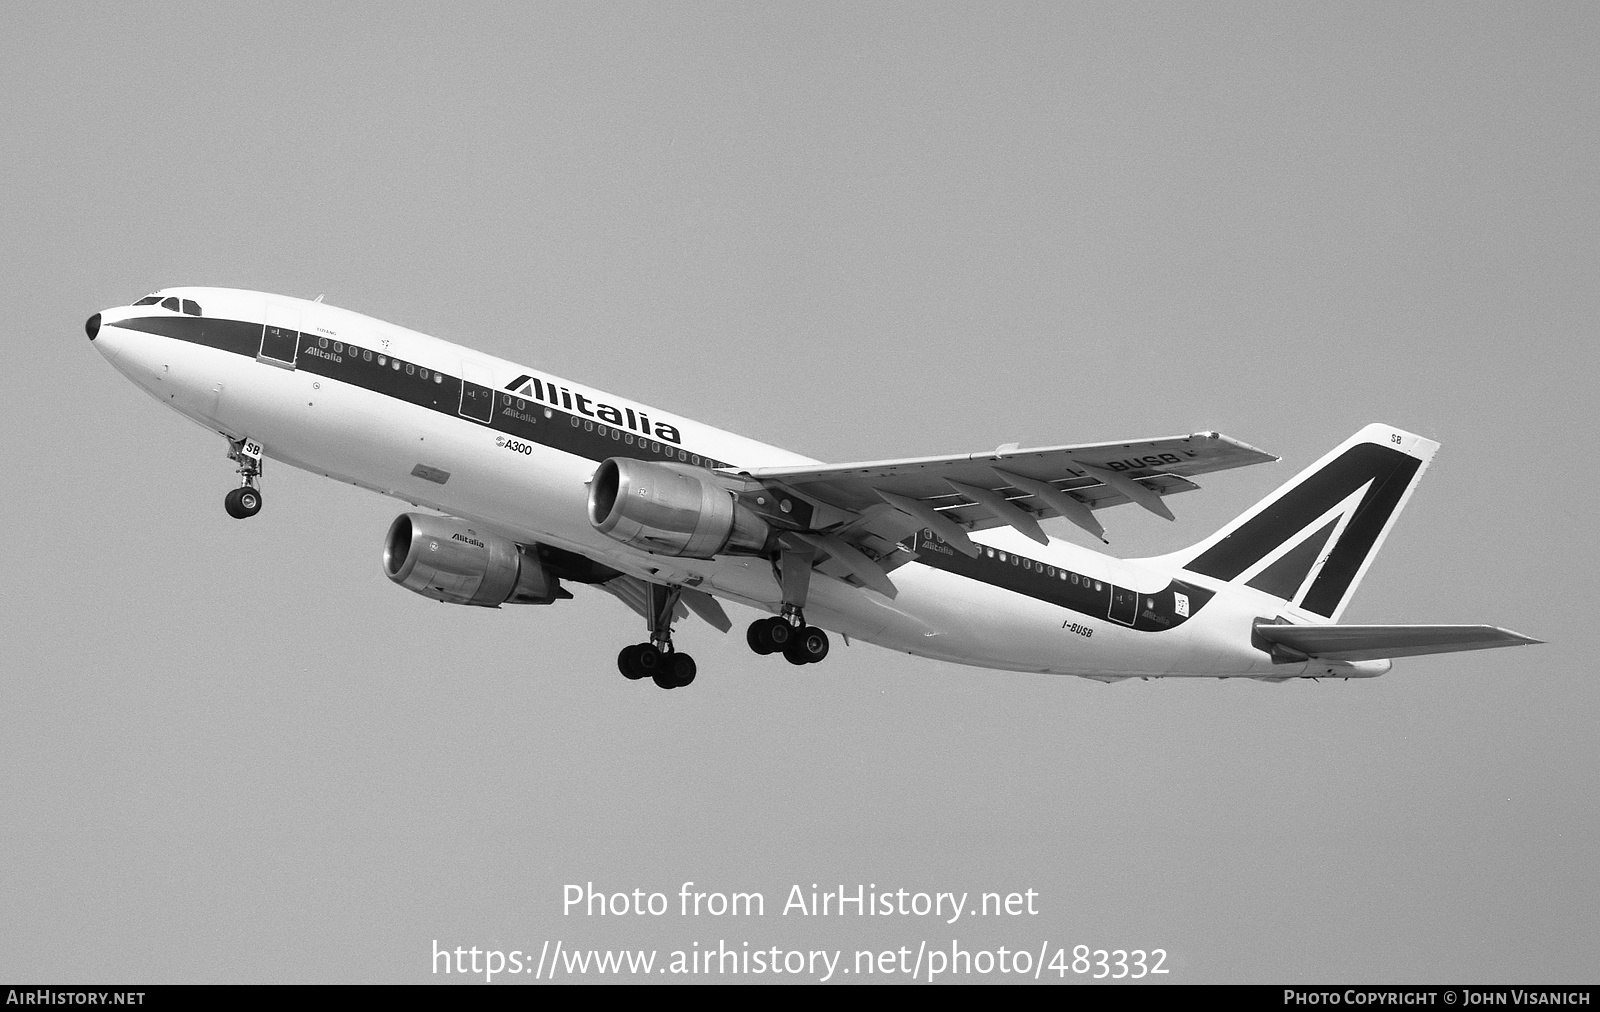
x=237 y=752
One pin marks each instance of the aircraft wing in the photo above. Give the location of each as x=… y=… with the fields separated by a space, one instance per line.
x=1006 y=486
x=1372 y=642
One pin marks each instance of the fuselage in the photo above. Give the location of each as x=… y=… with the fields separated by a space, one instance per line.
x=512 y=449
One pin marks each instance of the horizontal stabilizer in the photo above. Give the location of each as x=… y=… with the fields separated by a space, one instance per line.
x=1372 y=642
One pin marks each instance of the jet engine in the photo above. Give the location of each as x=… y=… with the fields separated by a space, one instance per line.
x=672 y=509
x=443 y=558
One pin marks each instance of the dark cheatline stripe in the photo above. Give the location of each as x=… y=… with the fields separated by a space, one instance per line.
x=530 y=420
x=1284 y=577
x=234 y=336
x=1390 y=472
x=1031 y=578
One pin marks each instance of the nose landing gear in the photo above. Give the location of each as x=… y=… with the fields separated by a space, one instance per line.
x=242 y=503
x=245 y=501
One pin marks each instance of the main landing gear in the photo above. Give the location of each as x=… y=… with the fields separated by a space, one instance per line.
x=657 y=659
x=789 y=635
x=667 y=668
x=787 y=632
x=245 y=501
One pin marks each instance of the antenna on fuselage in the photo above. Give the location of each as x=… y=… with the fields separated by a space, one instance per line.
x=319 y=297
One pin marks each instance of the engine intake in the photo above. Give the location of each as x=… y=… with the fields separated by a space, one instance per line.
x=671 y=509
x=443 y=558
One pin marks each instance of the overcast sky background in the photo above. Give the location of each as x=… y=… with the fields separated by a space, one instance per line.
x=236 y=752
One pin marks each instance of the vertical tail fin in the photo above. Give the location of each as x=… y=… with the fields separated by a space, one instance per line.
x=1311 y=541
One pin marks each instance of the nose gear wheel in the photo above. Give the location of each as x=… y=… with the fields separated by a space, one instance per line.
x=245 y=501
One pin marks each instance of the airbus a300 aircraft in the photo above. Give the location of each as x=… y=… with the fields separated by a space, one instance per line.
x=538 y=481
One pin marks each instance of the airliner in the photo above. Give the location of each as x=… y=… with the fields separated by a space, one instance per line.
x=526 y=483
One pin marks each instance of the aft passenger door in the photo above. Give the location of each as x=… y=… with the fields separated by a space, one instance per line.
x=280 y=337
x=1124 y=605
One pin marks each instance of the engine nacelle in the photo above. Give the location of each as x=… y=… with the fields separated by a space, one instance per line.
x=671 y=509
x=443 y=558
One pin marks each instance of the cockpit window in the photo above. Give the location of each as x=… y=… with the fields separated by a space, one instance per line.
x=148 y=300
x=191 y=307
x=170 y=303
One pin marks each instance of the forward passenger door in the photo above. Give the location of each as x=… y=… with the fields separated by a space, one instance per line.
x=280 y=337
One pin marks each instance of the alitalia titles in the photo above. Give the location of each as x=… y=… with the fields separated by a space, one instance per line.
x=551 y=393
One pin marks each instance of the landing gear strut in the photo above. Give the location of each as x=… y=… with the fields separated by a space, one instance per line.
x=657 y=659
x=245 y=501
x=787 y=632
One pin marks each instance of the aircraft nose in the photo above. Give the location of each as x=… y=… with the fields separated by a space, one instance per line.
x=108 y=339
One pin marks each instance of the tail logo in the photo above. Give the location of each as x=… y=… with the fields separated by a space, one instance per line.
x=1310 y=544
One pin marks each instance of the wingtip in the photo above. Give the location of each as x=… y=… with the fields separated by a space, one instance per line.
x=1518 y=639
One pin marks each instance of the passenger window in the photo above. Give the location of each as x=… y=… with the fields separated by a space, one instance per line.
x=191 y=307
x=367 y=356
x=171 y=304
x=411 y=370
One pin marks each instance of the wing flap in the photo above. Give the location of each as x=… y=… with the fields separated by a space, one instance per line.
x=1375 y=642
x=707 y=607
